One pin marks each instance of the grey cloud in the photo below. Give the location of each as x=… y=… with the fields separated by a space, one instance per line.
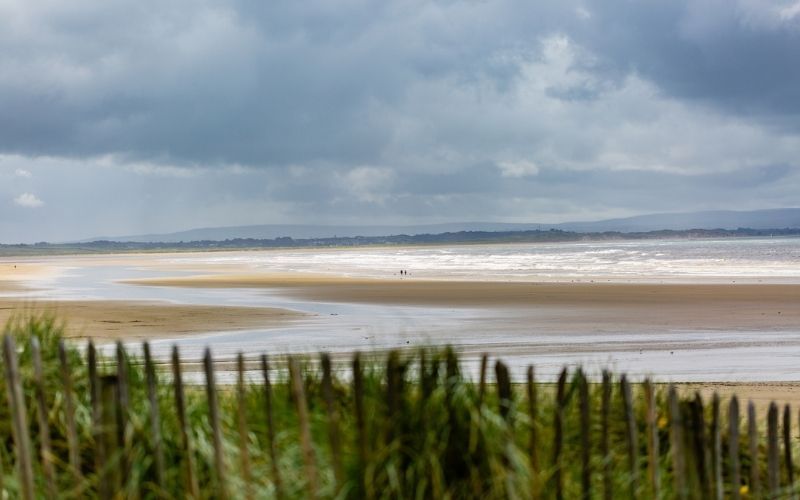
x=271 y=83
x=741 y=57
x=175 y=114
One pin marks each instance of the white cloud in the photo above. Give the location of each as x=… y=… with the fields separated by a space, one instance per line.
x=519 y=168
x=583 y=13
x=155 y=170
x=21 y=172
x=368 y=184
x=790 y=11
x=28 y=200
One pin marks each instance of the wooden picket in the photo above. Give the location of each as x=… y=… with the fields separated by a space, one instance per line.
x=244 y=435
x=708 y=456
x=191 y=489
x=19 y=417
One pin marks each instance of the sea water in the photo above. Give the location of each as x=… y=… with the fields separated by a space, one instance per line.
x=777 y=259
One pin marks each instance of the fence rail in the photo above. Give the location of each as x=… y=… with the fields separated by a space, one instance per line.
x=82 y=425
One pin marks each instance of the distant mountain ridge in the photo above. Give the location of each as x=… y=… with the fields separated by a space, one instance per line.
x=779 y=218
x=717 y=219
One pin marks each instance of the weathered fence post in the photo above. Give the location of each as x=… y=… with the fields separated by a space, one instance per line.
x=298 y=391
x=396 y=435
x=2 y=478
x=752 y=437
x=220 y=474
x=716 y=443
x=733 y=447
x=677 y=449
x=43 y=418
x=787 y=448
x=533 y=443
x=773 y=464
x=192 y=489
x=423 y=378
x=94 y=394
x=273 y=447
x=631 y=435
x=652 y=438
x=586 y=437
x=19 y=416
x=392 y=395
x=69 y=412
x=155 y=417
x=244 y=452
x=605 y=446
x=482 y=380
x=333 y=420
x=701 y=446
x=361 y=426
x=123 y=409
x=94 y=382
x=716 y=447
x=108 y=434
x=558 y=435
x=503 y=390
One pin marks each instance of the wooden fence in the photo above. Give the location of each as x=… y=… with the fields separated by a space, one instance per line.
x=606 y=439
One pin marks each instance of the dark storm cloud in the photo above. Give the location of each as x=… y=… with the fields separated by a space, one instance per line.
x=742 y=57
x=184 y=113
x=271 y=83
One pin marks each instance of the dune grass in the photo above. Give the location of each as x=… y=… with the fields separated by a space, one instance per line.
x=415 y=427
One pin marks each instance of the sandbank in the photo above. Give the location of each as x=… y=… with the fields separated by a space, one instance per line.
x=130 y=320
x=612 y=305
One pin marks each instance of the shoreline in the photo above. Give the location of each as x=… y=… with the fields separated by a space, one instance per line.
x=27 y=250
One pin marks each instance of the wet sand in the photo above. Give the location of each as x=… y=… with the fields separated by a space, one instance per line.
x=619 y=306
x=130 y=320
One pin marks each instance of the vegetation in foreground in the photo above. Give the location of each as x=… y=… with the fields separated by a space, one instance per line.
x=408 y=425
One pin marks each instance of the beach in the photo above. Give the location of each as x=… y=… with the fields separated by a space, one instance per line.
x=16 y=276
x=612 y=305
x=761 y=394
x=104 y=321
x=111 y=320
x=686 y=311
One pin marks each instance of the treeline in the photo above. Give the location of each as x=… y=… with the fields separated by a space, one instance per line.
x=461 y=237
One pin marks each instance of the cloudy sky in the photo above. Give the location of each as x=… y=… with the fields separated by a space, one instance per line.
x=124 y=117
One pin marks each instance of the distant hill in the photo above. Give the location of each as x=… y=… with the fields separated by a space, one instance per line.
x=272 y=231
x=715 y=219
x=719 y=219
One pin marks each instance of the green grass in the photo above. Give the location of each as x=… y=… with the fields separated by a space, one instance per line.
x=433 y=437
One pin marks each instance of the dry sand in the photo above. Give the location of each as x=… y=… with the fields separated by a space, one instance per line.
x=601 y=305
x=17 y=276
x=760 y=393
x=128 y=320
